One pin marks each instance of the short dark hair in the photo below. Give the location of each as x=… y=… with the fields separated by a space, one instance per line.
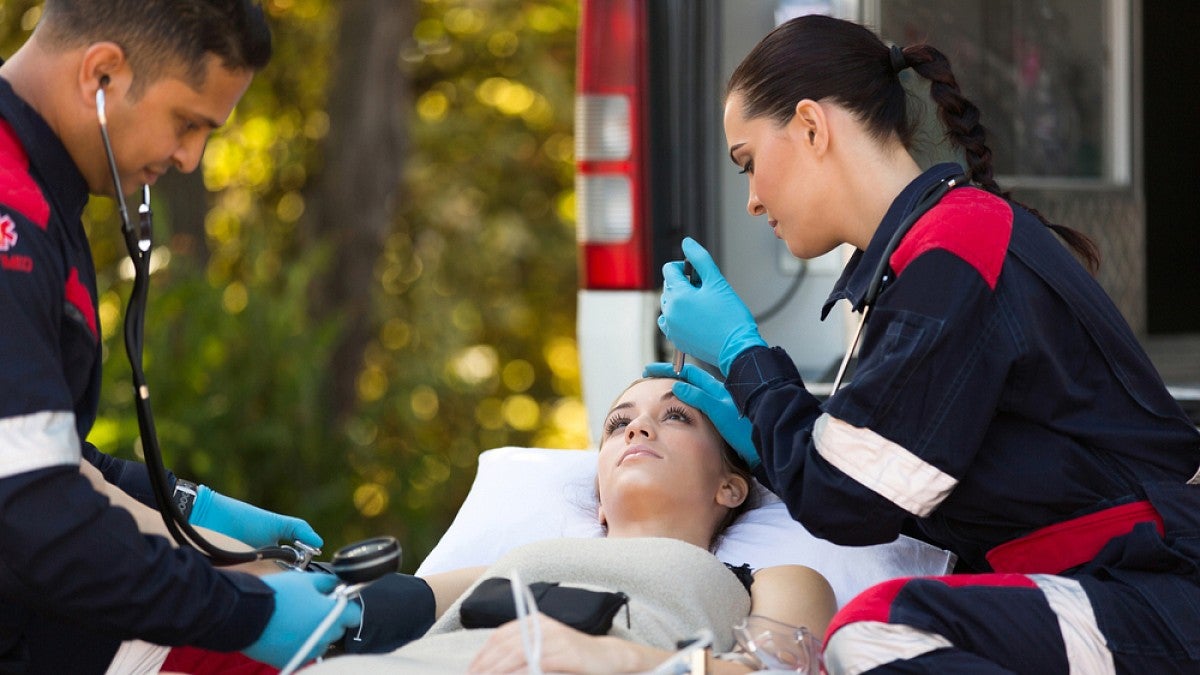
x=161 y=34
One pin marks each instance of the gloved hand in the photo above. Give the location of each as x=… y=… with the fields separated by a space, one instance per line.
x=704 y=393
x=301 y=603
x=710 y=321
x=247 y=523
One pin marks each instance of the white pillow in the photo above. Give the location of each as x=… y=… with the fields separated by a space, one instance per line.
x=521 y=495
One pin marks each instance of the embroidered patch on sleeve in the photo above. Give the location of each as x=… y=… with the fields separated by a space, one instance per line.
x=9 y=260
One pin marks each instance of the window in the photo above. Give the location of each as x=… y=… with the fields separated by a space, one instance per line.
x=1051 y=78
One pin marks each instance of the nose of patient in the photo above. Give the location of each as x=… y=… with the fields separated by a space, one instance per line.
x=638 y=427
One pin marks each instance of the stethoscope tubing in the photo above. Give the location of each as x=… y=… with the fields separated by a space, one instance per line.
x=928 y=201
x=139 y=243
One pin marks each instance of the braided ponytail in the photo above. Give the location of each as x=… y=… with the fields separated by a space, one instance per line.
x=960 y=118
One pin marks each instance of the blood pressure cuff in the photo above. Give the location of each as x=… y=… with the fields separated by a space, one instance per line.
x=397 y=609
x=491 y=605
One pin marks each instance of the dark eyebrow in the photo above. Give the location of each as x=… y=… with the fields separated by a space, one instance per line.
x=733 y=150
x=203 y=119
x=212 y=124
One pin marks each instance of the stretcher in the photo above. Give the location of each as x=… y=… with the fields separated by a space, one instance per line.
x=522 y=495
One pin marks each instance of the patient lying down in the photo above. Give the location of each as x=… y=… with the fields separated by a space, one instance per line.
x=668 y=485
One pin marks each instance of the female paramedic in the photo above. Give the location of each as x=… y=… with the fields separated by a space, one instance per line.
x=1000 y=405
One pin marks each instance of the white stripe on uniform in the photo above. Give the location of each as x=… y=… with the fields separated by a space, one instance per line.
x=882 y=466
x=38 y=441
x=864 y=645
x=1087 y=650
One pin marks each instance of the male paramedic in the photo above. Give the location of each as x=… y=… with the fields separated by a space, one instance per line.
x=76 y=575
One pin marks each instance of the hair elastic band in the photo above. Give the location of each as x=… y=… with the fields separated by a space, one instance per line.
x=899 y=63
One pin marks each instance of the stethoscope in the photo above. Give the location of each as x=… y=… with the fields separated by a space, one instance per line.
x=138 y=241
x=928 y=200
x=356 y=565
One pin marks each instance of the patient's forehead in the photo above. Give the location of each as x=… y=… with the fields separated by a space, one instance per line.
x=649 y=390
x=654 y=386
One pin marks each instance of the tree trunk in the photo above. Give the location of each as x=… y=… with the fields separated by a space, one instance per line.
x=354 y=204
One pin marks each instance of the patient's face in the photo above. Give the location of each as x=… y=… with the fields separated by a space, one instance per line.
x=656 y=448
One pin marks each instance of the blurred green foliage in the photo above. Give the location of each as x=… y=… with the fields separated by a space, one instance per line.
x=474 y=315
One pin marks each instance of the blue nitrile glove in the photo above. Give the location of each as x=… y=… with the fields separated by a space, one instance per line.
x=706 y=394
x=301 y=603
x=248 y=523
x=708 y=321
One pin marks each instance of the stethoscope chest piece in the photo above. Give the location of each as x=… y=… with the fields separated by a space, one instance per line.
x=367 y=560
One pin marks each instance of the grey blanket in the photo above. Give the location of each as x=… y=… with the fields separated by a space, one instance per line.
x=675 y=590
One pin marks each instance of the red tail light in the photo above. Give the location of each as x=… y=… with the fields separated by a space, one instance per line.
x=614 y=240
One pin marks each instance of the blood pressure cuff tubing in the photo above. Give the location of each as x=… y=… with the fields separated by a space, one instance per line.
x=491 y=605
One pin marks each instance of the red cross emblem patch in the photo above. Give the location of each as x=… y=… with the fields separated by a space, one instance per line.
x=8 y=233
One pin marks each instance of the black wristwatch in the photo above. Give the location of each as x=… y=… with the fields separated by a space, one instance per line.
x=185 y=497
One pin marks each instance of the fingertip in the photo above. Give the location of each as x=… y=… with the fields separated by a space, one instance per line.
x=309 y=536
x=672 y=271
x=658 y=369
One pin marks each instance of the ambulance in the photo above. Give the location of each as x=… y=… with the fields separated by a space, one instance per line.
x=1077 y=96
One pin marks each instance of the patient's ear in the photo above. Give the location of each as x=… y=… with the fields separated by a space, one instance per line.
x=733 y=491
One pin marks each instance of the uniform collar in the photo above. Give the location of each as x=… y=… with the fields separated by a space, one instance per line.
x=48 y=157
x=856 y=276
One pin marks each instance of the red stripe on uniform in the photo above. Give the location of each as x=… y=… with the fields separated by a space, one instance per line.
x=970 y=223
x=203 y=662
x=1071 y=543
x=18 y=190
x=77 y=294
x=875 y=603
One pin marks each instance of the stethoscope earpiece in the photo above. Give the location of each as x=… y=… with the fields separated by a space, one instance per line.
x=101 y=102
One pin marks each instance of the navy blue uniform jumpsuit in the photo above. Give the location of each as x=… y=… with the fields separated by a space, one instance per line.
x=76 y=576
x=1002 y=407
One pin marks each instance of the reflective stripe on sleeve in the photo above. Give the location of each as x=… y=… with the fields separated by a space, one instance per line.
x=882 y=466
x=866 y=645
x=38 y=441
x=1087 y=650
